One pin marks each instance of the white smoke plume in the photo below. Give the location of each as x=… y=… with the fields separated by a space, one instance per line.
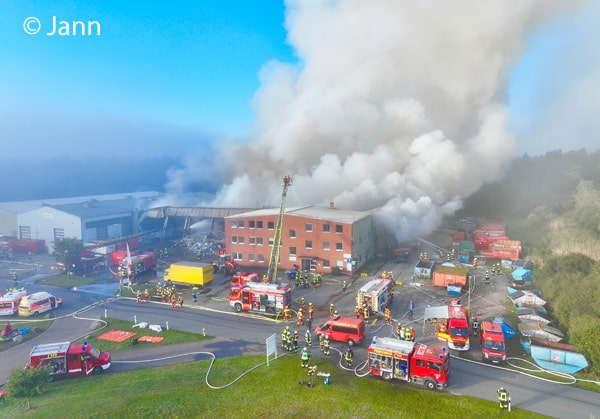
x=396 y=105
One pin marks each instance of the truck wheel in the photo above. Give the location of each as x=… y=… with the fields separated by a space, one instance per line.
x=387 y=376
x=36 y=314
x=350 y=342
x=430 y=385
x=97 y=370
x=238 y=308
x=49 y=378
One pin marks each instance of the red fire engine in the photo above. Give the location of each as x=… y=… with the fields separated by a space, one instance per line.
x=454 y=328
x=377 y=294
x=65 y=358
x=133 y=266
x=412 y=362
x=261 y=298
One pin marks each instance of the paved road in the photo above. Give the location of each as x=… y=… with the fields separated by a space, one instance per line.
x=243 y=334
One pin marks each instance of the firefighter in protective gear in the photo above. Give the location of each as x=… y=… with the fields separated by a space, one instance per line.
x=398 y=329
x=284 y=339
x=487 y=277
x=331 y=310
x=475 y=325
x=402 y=334
x=138 y=297
x=300 y=321
x=344 y=286
x=302 y=304
x=366 y=312
x=295 y=338
x=287 y=313
x=305 y=356
x=146 y=296
x=503 y=398
x=290 y=341
x=357 y=312
x=311 y=311
x=348 y=355
x=326 y=346
x=308 y=338
x=412 y=334
x=407 y=335
x=388 y=316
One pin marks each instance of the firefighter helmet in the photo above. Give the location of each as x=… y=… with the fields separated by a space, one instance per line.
x=295 y=331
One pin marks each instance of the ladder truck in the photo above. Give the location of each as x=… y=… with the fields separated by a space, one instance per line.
x=274 y=259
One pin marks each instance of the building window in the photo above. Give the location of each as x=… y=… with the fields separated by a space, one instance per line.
x=259 y=241
x=339 y=247
x=259 y=224
x=261 y=258
x=326 y=228
x=326 y=263
x=308 y=244
x=308 y=227
x=59 y=233
x=292 y=251
x=251 y=257
x=237 y=255
x=252 y=241
x=241 y=224
x=252 y=224
x=292 y=234
x=271 y=225
x=241 y=240
x=339 y=228
x=233 y=224
x=326 y=246
x=270 y=242
x=24 y=232
x=234 y=239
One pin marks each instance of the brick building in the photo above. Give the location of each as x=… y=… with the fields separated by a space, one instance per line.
x=318 y=239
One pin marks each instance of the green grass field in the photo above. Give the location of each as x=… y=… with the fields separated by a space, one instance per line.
x=181 y=391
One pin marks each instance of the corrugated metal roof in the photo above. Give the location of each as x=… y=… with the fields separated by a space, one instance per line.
x=18 y=207
x=314 y=212
x=93 y=208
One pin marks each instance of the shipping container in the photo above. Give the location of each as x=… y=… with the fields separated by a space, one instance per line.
x=189 y=273
x=450 y=275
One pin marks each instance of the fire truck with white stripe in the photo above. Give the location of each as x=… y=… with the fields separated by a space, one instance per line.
x=409 y=361
x=377 y=294
x=258 y=297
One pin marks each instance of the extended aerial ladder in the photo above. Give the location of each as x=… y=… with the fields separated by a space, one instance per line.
x=274 y=259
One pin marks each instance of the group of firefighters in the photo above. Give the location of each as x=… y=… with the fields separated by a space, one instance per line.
x=166 y=293
x=304 y=279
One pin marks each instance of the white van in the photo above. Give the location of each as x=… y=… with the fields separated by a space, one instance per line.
x=38 y=303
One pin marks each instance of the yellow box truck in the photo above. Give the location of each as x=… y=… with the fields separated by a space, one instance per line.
x=189 y=273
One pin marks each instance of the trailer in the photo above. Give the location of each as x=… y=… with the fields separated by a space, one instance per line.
x=189 y=273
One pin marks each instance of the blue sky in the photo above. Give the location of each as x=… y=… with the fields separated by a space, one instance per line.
x=164 y=76
x=188 y=66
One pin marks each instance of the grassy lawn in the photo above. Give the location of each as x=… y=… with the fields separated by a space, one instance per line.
x=171 y=336
x=65 y=281
x=181 y=392
x=36 y=327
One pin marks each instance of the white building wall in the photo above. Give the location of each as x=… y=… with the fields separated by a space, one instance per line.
x=42 y=222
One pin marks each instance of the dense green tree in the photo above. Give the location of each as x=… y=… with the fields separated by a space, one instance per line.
x=67 y=250
x=26 y=383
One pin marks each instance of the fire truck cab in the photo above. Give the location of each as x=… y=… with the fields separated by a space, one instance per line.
x=242 y=278
x=493 y=348
x=376 y=294
x=412 y=362
x=453 y=328
x=65 y=358
x=261 y=298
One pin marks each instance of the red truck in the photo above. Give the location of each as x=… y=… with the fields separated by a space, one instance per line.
x=65 y=359
x=412 y=362
x=493 y=348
